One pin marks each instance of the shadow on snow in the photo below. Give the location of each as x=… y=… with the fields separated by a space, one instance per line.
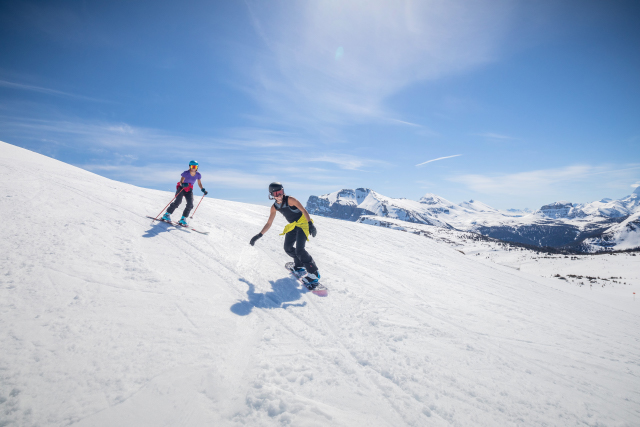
x=284 y=292
x=160 y=227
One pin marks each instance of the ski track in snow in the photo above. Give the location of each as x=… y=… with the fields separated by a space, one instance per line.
x=107 y=318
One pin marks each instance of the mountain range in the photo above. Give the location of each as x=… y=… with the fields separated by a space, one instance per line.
x=606 y=224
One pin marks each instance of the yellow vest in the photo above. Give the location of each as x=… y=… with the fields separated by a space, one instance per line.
x=302 y=223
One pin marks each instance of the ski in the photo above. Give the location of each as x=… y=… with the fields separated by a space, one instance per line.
x=319 y=289
x=175 y=224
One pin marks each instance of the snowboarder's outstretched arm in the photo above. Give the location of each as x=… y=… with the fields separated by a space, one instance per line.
x=266 y=227
x=272 y=216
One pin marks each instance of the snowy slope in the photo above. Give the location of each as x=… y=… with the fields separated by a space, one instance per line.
x=611 y=279
x=108 y=319
x=625 y=235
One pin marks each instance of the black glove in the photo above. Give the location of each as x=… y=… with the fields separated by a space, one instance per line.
x=204 y=191
x=312 y=229
x=185 y=184
x=255 y=238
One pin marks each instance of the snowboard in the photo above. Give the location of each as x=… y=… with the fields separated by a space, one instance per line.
x=319 y=289
x=178 y=225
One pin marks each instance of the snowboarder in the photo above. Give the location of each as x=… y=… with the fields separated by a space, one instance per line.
x=297 y=232
x=184 y=188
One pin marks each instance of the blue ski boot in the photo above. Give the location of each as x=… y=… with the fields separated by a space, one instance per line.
x=166 y=217
x=312 y=280
x=183 y=221
x=299 y=271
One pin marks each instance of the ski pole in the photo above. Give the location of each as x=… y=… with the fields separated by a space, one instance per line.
x=194 y=212
x=174 y=197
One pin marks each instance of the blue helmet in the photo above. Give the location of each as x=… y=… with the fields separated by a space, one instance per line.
x=193 y=163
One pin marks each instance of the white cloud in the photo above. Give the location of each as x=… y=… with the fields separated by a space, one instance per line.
x=491 y=135
x=98 y=134
x=347 y=162
x=386 y=45
x=243 y=138
x=39 y=89
x=244 y=158
x=148 y=175
x=541 y=182
x=239 y=146
x=239 y=179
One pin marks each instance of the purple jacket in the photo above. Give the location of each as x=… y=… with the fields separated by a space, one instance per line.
x=190 y=179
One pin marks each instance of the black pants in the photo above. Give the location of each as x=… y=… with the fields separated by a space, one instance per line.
x=299 y=253
x=187 y=195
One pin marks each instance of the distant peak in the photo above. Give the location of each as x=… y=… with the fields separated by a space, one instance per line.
x=560 y=204
x=431 y=196
x=637 y=190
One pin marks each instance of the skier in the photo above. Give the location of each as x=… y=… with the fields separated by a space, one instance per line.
x=297 y=232
x=184 y=188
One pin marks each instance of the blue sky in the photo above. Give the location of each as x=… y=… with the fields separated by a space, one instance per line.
x=524 y=103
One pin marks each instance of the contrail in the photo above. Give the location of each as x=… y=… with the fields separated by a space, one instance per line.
x=439 y=158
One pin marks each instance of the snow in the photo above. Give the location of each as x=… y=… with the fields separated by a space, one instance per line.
x=562 y=209
x=477 y=206
x=549 y=221
x=609 y=279
x=430 y=209
x=611 y=208
x=622 y=236
x=109 y=319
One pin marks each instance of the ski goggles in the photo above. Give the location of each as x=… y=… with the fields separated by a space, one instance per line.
x=193 y=166
x=278 y=193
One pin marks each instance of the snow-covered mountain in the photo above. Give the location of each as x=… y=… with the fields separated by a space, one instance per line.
x=557 y=224
x=605 y=208
x=477 y=206
x=625 y=235
x=110 y=319
x=519 y=211
x=558 y=210
x=430 y=209
x=570 y=224
x=352 y=204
